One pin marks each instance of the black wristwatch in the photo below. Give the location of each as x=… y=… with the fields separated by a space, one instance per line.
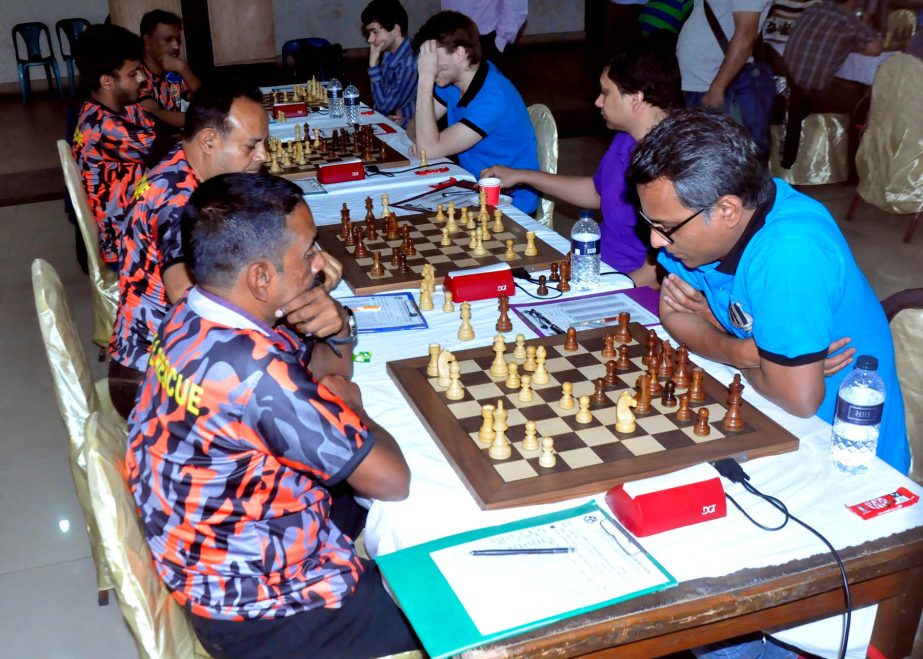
x=353 y=330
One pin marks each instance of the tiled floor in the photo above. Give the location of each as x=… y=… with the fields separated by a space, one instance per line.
x=47 y=582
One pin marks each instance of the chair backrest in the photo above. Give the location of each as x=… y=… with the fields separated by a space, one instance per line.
x=156 y=620
x=312 y=57
x=31 y=35
x=103 y=281
x=68 y=29
x=889 y=161
x=905 y=312
x=902 y=24
x=546 y=135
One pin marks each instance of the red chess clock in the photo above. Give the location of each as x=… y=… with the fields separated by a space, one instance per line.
x=293 y=109
x=491 y=281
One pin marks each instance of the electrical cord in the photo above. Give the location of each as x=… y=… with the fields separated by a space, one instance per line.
x=538 y=297
x=374 y=170
x=732 y=470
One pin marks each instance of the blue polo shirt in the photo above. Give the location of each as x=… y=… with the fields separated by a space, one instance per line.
x=792 y=285
x=493 y=109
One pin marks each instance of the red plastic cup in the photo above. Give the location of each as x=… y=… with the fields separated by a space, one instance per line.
x=491 y=188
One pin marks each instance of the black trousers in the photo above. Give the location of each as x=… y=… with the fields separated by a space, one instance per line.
x=842 y=96
x=124 y=383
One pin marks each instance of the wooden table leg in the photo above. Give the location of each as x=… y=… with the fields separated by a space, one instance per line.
x=897 y=619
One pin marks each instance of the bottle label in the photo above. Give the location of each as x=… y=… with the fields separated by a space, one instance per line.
x=861 y=415
x=584 y=247
x=351 y=101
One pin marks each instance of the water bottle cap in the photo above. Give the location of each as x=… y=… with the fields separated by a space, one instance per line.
x=586 y=214
x=867 y=362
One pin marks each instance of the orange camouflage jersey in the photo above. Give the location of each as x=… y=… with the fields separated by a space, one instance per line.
x=231 y=449
x=165 y=93
x=151 y=243
x=110 y=149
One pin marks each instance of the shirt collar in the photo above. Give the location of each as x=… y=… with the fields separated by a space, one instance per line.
x=728 y=265
x=224 y=312
x=401 y=52
x=476 y=83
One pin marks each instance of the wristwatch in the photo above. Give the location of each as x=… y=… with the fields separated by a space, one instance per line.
x=353 y=336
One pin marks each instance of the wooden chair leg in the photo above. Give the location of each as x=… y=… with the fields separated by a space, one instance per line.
x=914 y=221
x=853 y=204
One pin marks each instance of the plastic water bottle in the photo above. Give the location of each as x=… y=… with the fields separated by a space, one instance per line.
x=351 y=104
x=858 y=415
x=584 y=258
x=335 y=97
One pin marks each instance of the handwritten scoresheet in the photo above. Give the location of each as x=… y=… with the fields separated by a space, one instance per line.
x=606 y=565
x=385 y=312
x=584 y=312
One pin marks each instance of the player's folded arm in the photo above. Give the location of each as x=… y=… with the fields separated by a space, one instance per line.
x=456 y=138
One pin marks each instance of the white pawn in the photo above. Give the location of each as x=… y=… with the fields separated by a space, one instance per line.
x=541 y=374
x=520 y=351
x=512 y=376
x=530 y=364
x=500 y=447
x=498 y=221
x=486 y=433
x=547 y=459
x=498 y=368
x=583 y=414
x=466 y=331
x=479 y=249
x=426 y=298
x=530 y=442
x=448 y=306
x=455 y=391
x=531 y=249
x=446 y=241
x=451 y=225
x=525 y=393
x=440 y=215
x=474 y=240
x=432 y=369
x=567 y=396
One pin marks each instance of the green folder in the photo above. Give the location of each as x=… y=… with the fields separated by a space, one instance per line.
x=438 y=616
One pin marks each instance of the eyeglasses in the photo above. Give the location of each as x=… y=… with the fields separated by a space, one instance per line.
x=664 y=232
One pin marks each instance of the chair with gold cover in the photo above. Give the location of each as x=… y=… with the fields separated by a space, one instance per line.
x=104 y=283
x=900 y=28
x=822 y=151
x=157 y=621
x=890 y=157
x=76 y=393
x=905 y=313
x=546 y=134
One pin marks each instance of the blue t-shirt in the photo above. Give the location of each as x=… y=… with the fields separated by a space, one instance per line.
x=792 y=285
x=494 y=110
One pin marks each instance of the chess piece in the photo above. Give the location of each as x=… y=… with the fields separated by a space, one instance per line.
x=608 y=346
x=370 y=232
x=423 y=161
x=350 y=236
x=391 y=232
x=274 y=164
x=451 y=225
x=541 y=375
x=651 y=352
x=402 y=264
x=504 y=324
x=567 y=396
x=623 y=364
x=500 y=447
x=510 y=253
x=531 y=249
x=681 y=374
x=485 y=230
x=281 y=117
x=570 y=343
x=583 y=414
x=446 y=241
x=542 y=289
x=297 y=132
x=474 y=241
x=696 y=392
x=684 y=413
x=378 y=270
x=442 y=368
x=564 y=284
x=498 y=368
x=644 y=395
x=361 y=250
x=547 y=459
x=623 y=333
x=512 y=376
x=732 y=420
x=382 y=151
x=486 y=433
x=384 y=206
x=440 y=214
x=653 y=385
x=448 y=306
x=530 y=441
x=668 y=399
x=455 y=391
x=432 y=369
x=702 y=429
x=611 y=378
x=530 y=364
x=520 y=351
x=624 y=419
x=665 y=367
x=498 y=221
x=426 y=298
x=735 y=390
x=396 y=257
x=525 y=390
x=479 y=249
x=470 y=224
x=466 y=331
x=429 y=276
x=555 y=277
x=599 y=392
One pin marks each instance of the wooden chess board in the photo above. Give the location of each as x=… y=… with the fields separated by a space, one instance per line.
x=426 y=234
x=289 y=96
x=591 y=457
x=314 y=159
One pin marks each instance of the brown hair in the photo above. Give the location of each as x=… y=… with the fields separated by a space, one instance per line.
x=451 y=30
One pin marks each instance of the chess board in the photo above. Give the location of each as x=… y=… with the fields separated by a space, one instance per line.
x=426 y=234
x=289 y=96
x=314 y=159
x=591 y=457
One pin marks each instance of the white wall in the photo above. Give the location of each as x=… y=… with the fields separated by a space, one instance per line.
x=48 y=12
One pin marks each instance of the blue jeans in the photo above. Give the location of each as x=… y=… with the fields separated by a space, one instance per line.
x=752 y=646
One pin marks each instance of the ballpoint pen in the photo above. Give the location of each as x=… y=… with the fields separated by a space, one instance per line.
x=523 y=551
x=554 y=328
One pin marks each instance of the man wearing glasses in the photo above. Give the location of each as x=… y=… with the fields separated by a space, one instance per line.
x=760 y=276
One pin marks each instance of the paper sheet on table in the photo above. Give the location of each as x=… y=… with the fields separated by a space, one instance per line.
x=585 y=312
x=385 y=312
x=606 y=565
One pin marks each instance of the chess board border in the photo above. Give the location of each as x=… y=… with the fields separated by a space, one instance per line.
x=394 y=159
x=491 y=492
x=360 y=283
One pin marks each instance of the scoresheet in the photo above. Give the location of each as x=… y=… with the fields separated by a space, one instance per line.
x=588 y=311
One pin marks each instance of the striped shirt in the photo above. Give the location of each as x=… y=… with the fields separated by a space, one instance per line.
x=820 y=41
x=664 y=15
x=394 y=82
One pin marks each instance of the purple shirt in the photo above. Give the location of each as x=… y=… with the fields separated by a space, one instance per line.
x=622 y=247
